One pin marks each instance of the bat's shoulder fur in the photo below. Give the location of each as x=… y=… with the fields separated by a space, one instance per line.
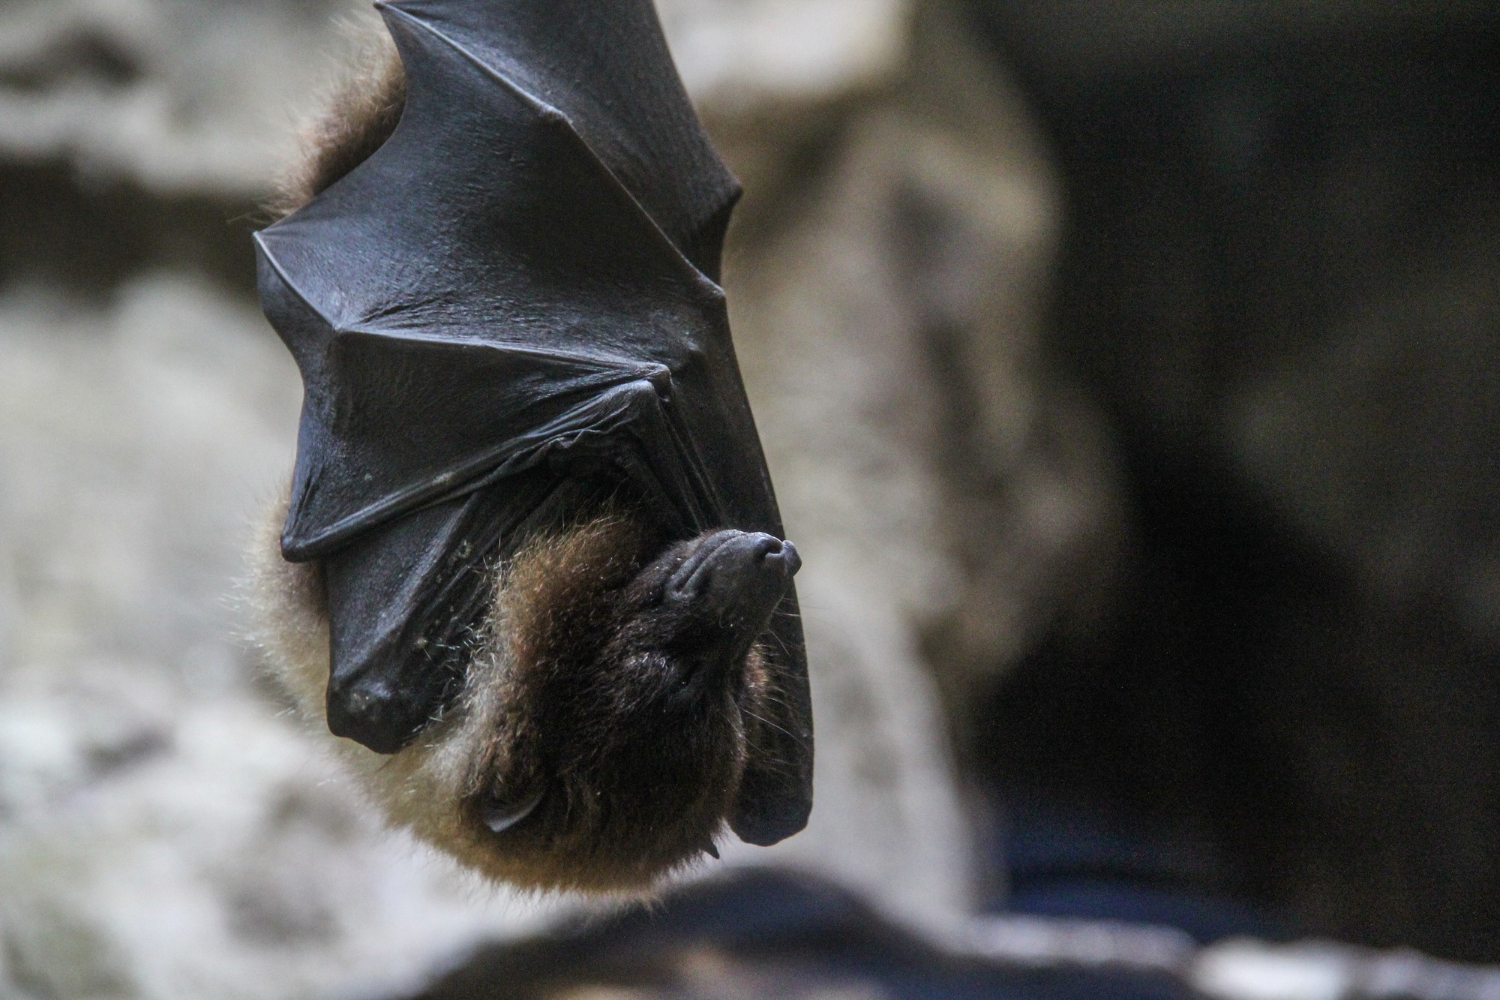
x=359 y=113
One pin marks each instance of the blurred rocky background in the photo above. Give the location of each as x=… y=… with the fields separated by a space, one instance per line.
x=1129 y=375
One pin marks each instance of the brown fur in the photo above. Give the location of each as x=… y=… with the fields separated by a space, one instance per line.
x=565 y=695
x=359 y=115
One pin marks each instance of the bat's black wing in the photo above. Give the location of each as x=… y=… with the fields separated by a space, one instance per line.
x=513 y=296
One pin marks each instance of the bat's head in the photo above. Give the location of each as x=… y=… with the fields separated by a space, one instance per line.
x=632 y=692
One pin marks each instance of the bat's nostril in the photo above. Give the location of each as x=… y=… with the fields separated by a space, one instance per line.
x=766 y=545
x=783 y=558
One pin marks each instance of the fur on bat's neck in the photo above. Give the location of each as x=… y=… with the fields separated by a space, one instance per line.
x=359 y=114
x=543 y=707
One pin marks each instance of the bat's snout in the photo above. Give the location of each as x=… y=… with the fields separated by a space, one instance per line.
x=780 y=556
x=735 y=567
x=728 y=585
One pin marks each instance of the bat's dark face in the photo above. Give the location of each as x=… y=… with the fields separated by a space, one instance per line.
x=633 y=695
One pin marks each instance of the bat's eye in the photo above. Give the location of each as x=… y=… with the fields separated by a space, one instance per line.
x=655 y=596
x=694 y=674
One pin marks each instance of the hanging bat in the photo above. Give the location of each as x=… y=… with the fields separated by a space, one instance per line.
x=531 y=559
